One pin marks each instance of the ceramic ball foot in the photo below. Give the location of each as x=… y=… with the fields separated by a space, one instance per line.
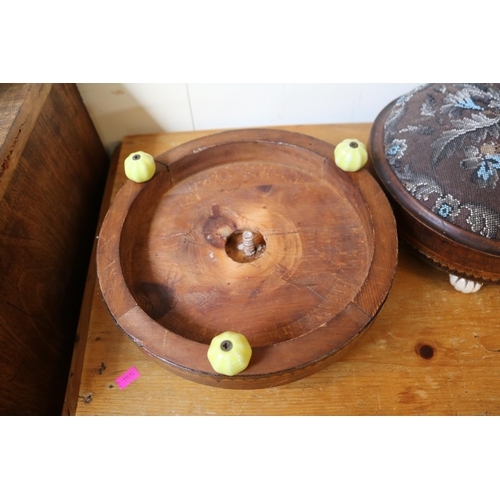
x=464 y=285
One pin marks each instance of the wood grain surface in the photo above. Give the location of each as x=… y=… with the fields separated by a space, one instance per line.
x=53 y=169
x=430 y=351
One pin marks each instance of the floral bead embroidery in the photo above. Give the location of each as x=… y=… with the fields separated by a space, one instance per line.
x=462 y=124
x=447 y=207
x=485 y=165
x=396 y=150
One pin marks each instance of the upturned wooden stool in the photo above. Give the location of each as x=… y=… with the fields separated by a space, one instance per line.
x=253 y=231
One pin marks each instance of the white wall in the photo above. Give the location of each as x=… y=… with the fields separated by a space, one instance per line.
x=120 y=109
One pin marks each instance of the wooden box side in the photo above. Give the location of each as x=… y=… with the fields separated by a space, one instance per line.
x=48 y=214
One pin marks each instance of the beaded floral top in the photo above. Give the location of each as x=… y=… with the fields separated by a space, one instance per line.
x=443 y=143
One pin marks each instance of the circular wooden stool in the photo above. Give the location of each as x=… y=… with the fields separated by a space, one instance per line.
x=436 y=151
x=254 y=231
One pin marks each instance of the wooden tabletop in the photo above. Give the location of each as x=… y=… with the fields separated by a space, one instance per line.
x=431 y=350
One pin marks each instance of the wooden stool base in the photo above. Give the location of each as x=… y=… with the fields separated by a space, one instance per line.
x=174 y=270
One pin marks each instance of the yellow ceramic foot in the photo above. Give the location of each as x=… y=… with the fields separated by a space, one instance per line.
x=350 y=155
x=229 y=353
x=140 y=166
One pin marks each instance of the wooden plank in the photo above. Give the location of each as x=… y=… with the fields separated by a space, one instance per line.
x=431 y=350
x=75 y=372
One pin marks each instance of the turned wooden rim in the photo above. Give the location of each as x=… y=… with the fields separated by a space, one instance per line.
x=179 y=352
x=422 y=213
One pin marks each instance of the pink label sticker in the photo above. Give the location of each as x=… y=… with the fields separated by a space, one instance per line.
x=129 y=376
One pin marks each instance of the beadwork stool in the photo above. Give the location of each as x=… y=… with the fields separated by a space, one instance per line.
x=436 y=151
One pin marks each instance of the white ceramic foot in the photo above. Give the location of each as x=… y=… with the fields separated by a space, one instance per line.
x=464 y=285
